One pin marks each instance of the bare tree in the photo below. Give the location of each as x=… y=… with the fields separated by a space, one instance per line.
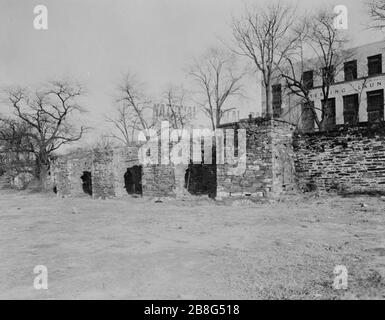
x=131 y=111
x=323 y=46
x=46 y=112
x=14 y=144
x=376 y=10
x=263 y=36
x=328 y=45
x=293 y=68
x=125 y=125
x=103 y=141
x=177 y=113
x=218 y=80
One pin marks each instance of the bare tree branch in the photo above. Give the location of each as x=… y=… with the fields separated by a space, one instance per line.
x=376 y=10
x=263 y=36
x=218 y=81
x=177 y=113
x=131 y=110
x=46 y=113
x=323 y=46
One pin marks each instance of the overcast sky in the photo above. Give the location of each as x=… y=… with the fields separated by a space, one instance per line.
x=96 y=41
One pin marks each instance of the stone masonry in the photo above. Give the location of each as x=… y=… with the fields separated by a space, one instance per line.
x=269 y=161
x=349 y=159
x=108 y=167
x=66 y=171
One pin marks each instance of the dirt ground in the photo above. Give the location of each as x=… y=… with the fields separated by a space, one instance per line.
x=137 y=249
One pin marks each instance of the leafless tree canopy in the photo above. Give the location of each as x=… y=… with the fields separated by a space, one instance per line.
x=175 y=98
x=318 y=47
x=124 y=124
x=263 y=36
x=46 y=112
x=296 y=63
x=104 y=141
x=132 y=104
x=14 y=144
x=218 y=80
x=13 y=137
x=376 y=10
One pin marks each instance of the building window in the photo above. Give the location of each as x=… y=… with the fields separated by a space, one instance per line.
x=329 y=120
x=277 y=99
x=328 y=75
x=375 y=105
x=375 y=65
x=351 y=109
x=350 y=69
x=307 y=78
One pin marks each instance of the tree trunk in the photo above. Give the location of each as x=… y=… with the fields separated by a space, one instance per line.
x=217 y=118
x=42 y=171
x=322 y=125
x=212 y=120
x=269 y=105
x=322 y=122
x=43 y=177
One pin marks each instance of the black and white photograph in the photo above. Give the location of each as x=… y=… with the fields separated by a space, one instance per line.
x=192 y=151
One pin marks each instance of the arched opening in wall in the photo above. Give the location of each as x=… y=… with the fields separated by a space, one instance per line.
x=87 y=182
x=201 y=178
x=133 y=180
x=54 y=189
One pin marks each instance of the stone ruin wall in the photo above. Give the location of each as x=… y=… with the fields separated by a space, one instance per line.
x=269 y=162
x=348 y=160
x=269 y=169
x=66 y=171
x=158 y=181
x=278 y=162
x=107 y=167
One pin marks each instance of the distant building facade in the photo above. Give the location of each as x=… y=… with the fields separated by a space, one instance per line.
x=356 y=95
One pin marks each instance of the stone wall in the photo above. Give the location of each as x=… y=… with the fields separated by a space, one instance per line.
x=66 y=171
x=269 y=161
x=107 y=167
x=103 y=185
x=17 y=169
x=349 y=159
x=283 y=164
x=167 y=180
x=123 y=158
x=163 y=180
x=158 y=181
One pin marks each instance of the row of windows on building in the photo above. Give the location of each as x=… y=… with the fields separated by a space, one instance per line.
x=350 y=71
x=351 y=103
x=375 y=98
